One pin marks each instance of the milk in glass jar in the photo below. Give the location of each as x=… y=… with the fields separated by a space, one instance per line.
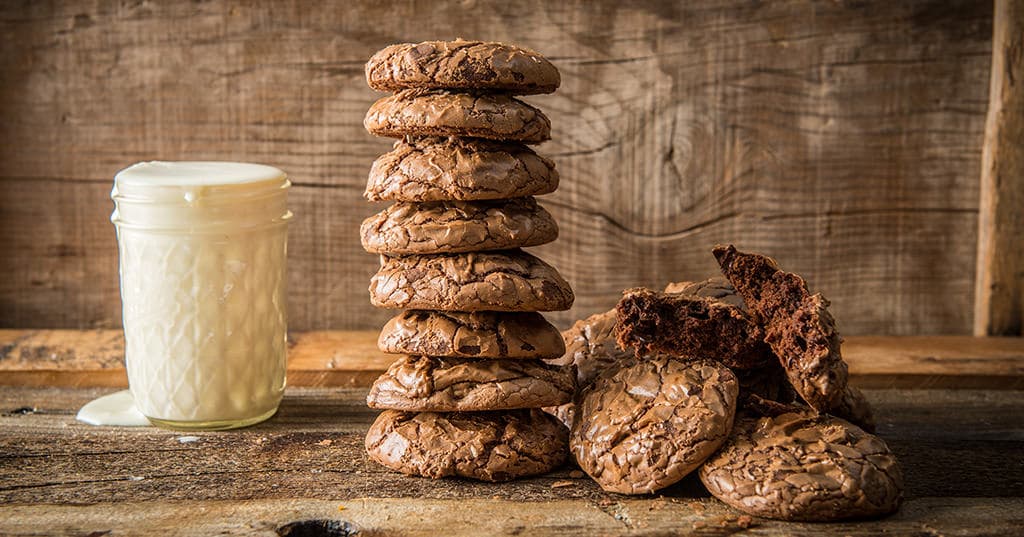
x=202 y=259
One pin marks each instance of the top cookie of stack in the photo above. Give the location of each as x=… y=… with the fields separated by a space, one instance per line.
x=463 y=180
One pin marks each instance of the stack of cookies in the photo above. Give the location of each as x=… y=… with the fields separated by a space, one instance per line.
x=463 y=398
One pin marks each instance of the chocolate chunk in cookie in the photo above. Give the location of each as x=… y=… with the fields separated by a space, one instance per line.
x=798 y=466
x=487 y=281
x=644 y=427
x=481 y=334
x=436 y=169
x=489 y=446
x=458 y=226
x=689 y=326
x=798 y=325
x=448 y=113
x=461 y=64
x=717 y=287
x=425 y=383
x=678 y=287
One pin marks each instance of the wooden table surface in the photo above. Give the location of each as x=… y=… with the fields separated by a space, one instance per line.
x=961 y=446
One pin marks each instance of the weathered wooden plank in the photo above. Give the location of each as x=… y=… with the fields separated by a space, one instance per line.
x=412 y=518
x=999 y=294
x=87 y=358
x=842 y=138
x=935 y=362
x=951 y=443
x=94 y=358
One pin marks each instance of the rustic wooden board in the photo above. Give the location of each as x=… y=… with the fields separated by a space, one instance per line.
x=373 y=517
x=86 y=358
x=959 y=450
x=844 y=138
x=999 y=294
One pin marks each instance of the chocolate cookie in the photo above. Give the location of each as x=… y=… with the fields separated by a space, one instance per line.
x=797 y=324
x=448 y=113
x=767 y=391
x=482 y=334
x=458 y=226
x=489 y=446
x=805 y=467
x=854 y=408
x=435 y=169
x=423 y=383
x=689 y=326
x=646 y=426
x=590 y=347
x=488 y=281
x=461 y=64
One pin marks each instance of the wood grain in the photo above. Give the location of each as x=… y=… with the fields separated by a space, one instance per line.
x=999 y=293
x=959 y=450
x=843 y=138
x=95 y=358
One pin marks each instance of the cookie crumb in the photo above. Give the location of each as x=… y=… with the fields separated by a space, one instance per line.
x=576 y=474
x=562 y=484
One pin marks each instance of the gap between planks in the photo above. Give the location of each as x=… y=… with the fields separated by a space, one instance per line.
x=94 y=358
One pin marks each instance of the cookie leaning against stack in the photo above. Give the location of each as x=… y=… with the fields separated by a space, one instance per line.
x=462 y=398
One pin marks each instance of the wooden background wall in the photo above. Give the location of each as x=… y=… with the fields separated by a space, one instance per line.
x=843 y=138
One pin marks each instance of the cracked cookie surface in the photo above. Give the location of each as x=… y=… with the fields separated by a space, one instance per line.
x=646 y=426
x=488 y=446
x=480 y=281
x=448 y=113
x=798 y=326
x=482 y=334
x=590 y=346
x=798 y=466
x=425 y=383
x=458 y=226
x=461 y=64
x=439 y=168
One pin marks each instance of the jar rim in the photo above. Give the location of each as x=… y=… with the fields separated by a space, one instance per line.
x=194 y=195
x=197 y=173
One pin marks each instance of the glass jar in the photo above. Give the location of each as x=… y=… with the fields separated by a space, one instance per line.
x=203 y=287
